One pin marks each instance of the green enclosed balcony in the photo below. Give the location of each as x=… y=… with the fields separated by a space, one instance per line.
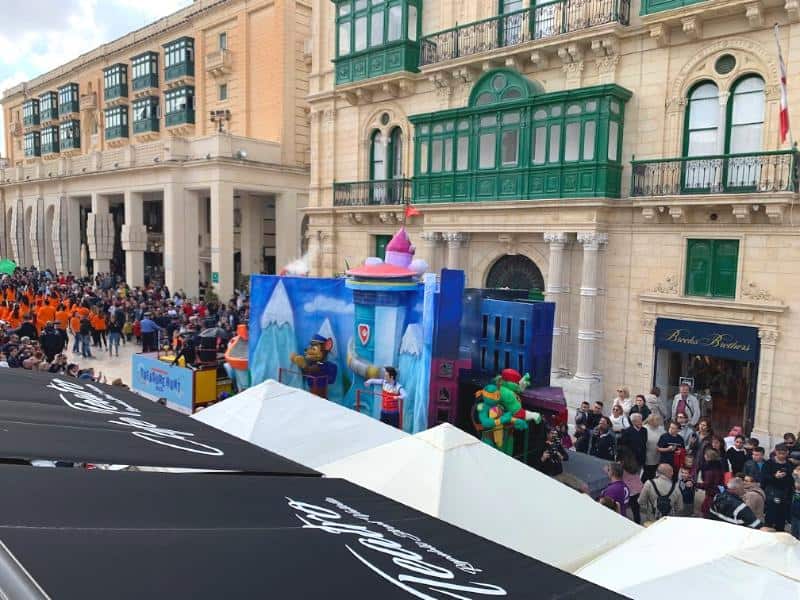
x=179 y=59
x=752 y=173
x=70 y=135
x=117 y=132
x=33 y=145
x=48 y=107
x=514 y=142
x=375 y=38
x=538 y=22
x=179 y=106
x=144 y=71
x=148 y=125
x=115 y=82
x=30 y=113
x=181 y=117
x=385 y=192
x=653 y=6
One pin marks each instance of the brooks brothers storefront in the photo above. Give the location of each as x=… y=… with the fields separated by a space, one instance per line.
x=719 y=362
x=725 y=351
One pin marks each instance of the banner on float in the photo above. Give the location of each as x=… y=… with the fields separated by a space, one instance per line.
x=157 y=379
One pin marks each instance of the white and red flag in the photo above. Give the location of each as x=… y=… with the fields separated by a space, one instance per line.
x=784 y=93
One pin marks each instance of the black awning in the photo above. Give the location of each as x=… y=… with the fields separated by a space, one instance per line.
x=98 y=534
x=60 y=418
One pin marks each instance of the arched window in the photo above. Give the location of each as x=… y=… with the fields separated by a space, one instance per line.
x=747 y=116
x=516 y=272
x=703 y=121
x=712 y=129
x=377 y=165
x=396 y=152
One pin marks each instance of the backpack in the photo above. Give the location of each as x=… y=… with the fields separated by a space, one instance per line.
x=663 y=503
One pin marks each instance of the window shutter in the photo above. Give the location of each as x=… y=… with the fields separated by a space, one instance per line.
x=726 y=262
x=698 y=268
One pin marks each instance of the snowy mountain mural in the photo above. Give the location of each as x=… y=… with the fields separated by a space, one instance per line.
x=408 y=366
x=276 y=341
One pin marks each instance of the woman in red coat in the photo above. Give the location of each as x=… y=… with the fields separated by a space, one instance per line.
x=713 y=472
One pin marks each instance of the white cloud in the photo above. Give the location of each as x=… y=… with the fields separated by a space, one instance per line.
x=40 y=35
x=325 y=304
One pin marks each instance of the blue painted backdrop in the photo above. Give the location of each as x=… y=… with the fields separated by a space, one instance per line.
x=286 y=312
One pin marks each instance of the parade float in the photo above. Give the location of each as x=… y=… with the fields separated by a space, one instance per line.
x=401 y=344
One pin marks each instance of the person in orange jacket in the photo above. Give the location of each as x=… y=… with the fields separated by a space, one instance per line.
x=99 y=326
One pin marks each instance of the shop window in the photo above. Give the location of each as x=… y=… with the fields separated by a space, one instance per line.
x=711 y=268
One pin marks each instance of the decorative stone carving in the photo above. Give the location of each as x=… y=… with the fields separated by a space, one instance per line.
x=648 y=324
x=742 y=213
x=678 y=214
x=755 y=14
x=431 y=237
x=649 y=214
x=538 y=59
x=692 y=27
x=390 y=218
x=357 y=218
x=660 y=33
x=330 y=115
x=775 y=213
x=756 y=294
x=508 y=241
x=792 y=8
x=768 y=337
x=592 y=239
x=668 y=287
x=455 y=237
x=555 y=237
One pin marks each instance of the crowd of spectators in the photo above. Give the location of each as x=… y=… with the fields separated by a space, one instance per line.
x=44 y=316
x=676 y=464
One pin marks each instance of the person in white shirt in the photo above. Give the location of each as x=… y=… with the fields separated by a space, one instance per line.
x=619 y=420
x=622 y=399
x=686 y=403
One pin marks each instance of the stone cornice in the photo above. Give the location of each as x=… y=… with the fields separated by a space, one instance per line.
x=734 y=306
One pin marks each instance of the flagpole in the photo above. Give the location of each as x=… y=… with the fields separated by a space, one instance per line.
x=784 y=85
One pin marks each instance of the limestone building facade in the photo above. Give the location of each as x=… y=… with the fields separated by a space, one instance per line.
x=178 y=152
x=622 y=156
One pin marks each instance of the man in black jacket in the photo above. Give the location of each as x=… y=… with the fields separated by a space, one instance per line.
x=778 y=484
x=51 y=341
x=730 y=508
x=635 y=438
x=602 y=443
x=27 y=329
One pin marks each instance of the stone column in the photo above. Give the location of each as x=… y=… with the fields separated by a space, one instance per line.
x=555 y=291
x=252 y=235
x=174 y=240
x=588 y=314
x=314 y=252
x=430 y=248
x=73 y=227
x=134 y=238
x=454 y=242
x=100 y=234
x=287 y=227
x=762 y=425
x=37 y=237
x=60 y=235
x=222 y=274
x=17 y=233
x=4 y=248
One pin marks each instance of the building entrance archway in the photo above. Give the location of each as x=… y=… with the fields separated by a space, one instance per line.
x=516 y=272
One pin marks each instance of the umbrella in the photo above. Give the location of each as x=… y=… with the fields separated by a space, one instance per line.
x=7 y=266
x=157 y=535
x=59 y=418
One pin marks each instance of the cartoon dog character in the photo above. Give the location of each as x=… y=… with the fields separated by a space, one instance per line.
x=318 y=371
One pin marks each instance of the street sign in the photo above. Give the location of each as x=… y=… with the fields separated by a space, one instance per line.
x=214 y=277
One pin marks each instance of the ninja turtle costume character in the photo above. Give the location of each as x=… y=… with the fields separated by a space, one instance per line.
x=494 y=419
x=511 y=384
x=318 y=371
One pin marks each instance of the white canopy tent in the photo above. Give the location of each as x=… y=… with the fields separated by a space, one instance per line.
x=451 y=475
x=701 y=558
x=296 y=424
